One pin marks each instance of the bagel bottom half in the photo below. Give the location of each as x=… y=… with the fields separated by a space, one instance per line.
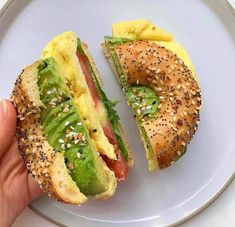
x=46 y=164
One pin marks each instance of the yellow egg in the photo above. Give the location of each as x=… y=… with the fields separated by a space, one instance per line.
x=179 y=50
x=140 y=29
x=63 y=48
x=146 y=30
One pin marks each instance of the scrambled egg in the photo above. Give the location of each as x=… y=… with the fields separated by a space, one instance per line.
x=146 y=30
x=140 y=29
x=63 y=48
x=179 y=50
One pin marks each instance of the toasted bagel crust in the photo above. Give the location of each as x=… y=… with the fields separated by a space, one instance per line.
x=173 y=126
x=43 y=162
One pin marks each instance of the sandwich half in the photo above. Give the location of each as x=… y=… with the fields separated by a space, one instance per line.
x=68 y=131
x=159 y=82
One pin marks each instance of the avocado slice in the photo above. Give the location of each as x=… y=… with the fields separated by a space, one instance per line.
x=143 y=100
x=64 y=129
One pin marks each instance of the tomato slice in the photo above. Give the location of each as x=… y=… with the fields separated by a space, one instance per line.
x=110 y=134
x=86 y=71
x=119 y=166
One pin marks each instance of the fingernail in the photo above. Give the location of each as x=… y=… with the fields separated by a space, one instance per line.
x=3 y=109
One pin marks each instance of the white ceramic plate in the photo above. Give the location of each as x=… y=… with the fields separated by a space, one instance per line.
x=206 y=29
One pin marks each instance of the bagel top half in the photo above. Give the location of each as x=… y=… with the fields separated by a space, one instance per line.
x=168 y=131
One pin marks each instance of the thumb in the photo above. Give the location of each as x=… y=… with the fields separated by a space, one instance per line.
x=7 y=125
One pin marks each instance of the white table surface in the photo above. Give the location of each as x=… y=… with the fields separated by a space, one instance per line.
x=220 y=213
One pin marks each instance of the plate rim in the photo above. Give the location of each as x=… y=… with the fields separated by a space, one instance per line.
x=180 y=221
x=4 y=6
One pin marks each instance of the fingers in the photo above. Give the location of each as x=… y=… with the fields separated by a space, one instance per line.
x=7 y=125
x=34 y=189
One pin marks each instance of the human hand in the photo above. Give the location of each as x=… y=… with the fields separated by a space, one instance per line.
x=17 y=187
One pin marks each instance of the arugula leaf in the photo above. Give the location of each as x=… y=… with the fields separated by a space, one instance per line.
x=109 y=105
x=116 y=40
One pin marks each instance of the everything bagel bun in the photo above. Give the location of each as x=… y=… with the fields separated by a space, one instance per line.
x=68 y=131
x=158 y=71
x=45 y=163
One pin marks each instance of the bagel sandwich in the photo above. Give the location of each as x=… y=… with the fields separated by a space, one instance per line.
x=161 y=87
x=68 y=131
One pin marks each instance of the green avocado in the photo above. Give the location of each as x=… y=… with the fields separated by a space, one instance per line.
x=143 y=100
x=63 y=127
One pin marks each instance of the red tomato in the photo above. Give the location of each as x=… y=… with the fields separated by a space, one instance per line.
x=86 y=71
x=119 y=166
x=108 y=131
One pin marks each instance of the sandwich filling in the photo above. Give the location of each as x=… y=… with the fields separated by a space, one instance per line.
x=97 y=112
x=65 y=130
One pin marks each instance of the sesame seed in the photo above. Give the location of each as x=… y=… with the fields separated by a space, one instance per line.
x=54 y=99
x=66 y=110
x=61 y=141
x=79 y=123
x=78 y=155
x=66 y=123
x=71 y=165
x=76 y=141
